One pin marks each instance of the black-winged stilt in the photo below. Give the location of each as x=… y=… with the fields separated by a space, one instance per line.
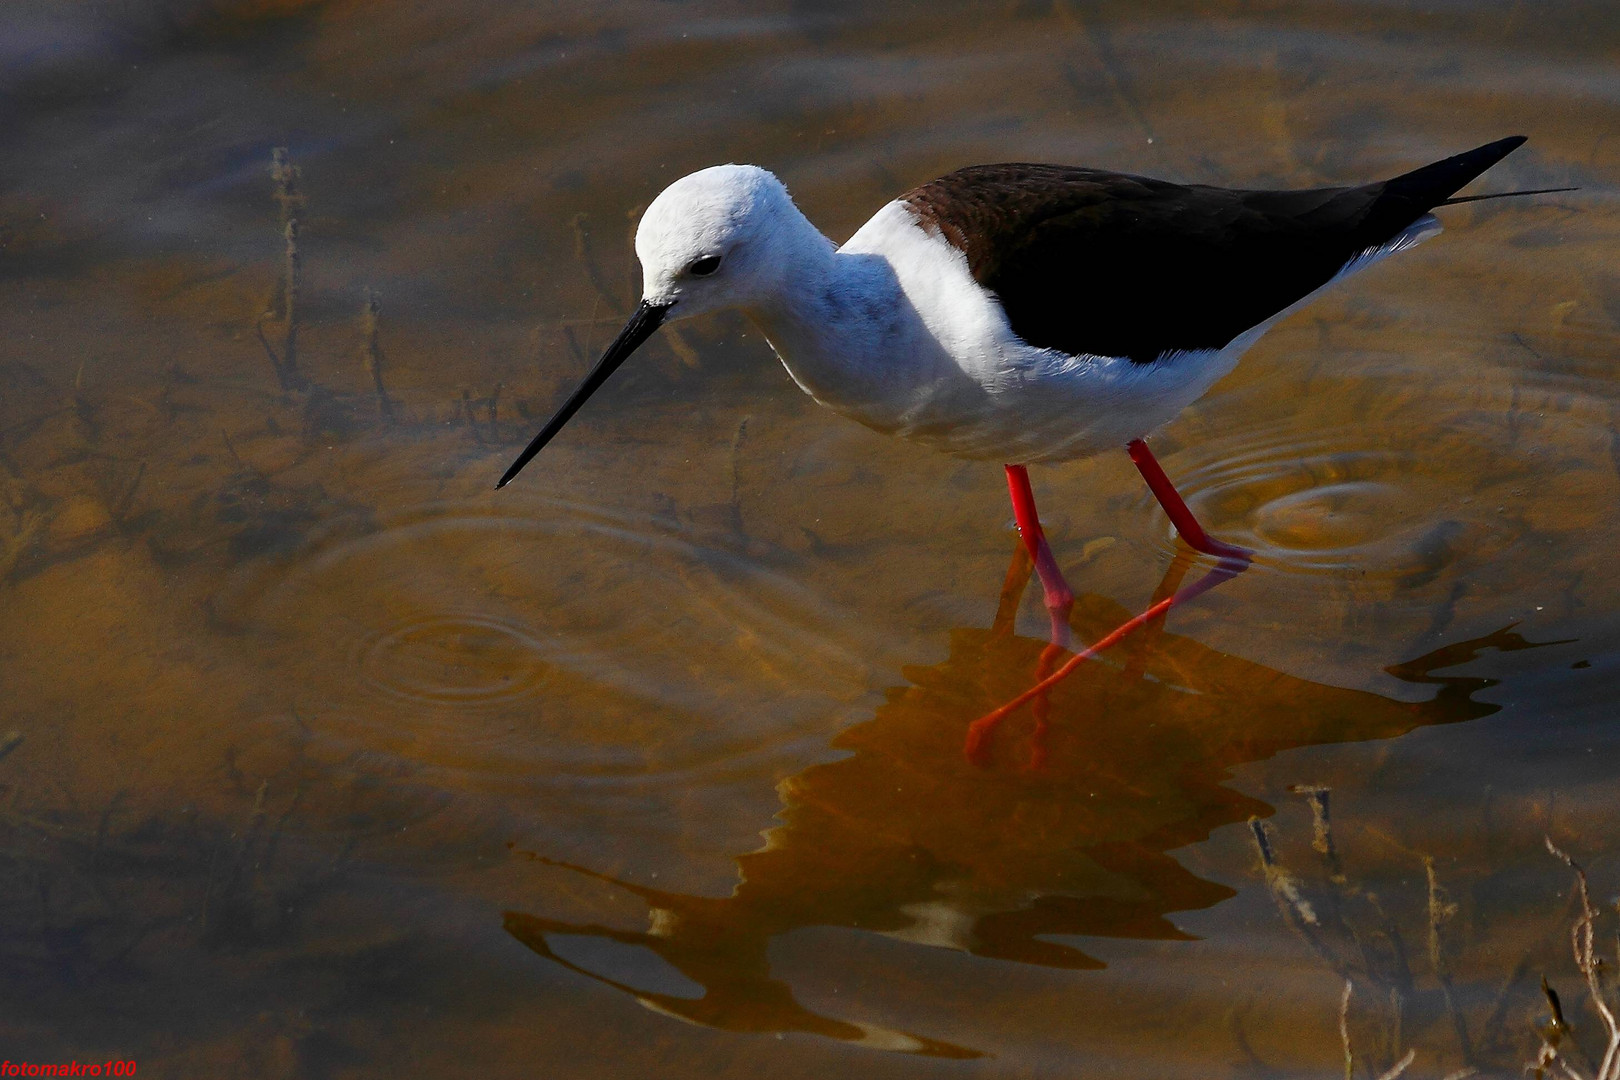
x=1021 y=313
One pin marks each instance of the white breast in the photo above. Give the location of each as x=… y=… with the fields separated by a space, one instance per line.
x=899 y=336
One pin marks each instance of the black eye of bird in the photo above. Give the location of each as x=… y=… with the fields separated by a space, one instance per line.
x=704 y=267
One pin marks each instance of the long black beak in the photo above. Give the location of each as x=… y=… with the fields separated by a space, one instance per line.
x=643 y=322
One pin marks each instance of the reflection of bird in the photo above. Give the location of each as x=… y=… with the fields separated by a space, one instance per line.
x=904 y=838
x=1019 y=313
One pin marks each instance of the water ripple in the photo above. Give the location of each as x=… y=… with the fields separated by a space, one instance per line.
x=577 y=639
x=1324 y=503
x=453 y=660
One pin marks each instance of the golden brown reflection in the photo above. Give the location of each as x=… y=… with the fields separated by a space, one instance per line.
x=286 y=674
x=1062 y=828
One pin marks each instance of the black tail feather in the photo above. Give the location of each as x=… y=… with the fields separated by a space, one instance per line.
x=1398 y=202
x=1502 y=195
x=1433 y=184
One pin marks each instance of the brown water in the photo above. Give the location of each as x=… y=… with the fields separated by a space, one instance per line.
x=320 y=758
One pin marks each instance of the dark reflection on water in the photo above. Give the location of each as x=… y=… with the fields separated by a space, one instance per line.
x=281 y=678
x=1068 y=835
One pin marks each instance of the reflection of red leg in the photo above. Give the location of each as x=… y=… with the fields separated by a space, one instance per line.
x=1012 y=591
x=1059 y=597
x=1041 y=707
x=1142 y=647
x=1233 y=561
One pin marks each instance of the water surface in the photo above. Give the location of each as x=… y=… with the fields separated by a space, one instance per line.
x=321 y=758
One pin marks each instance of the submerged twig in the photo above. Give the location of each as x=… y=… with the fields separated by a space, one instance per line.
x=284 y=305
x=1115 y=74
x=1441 y=911
x=286 y=175
x=289 y=341
x=1399 y=1067
x=1559 y=1025
x=574 y=346
x=1583 y=936
x=28 y=524
x=1344 y=1031
x=269 y=350
x=1322 y=828
x=737 y=441
x=470 y=416
x=1348 y=928
x=681 y=347
x=585 y=253
x=1297 y=911
x=373 y=351
x=120 y=507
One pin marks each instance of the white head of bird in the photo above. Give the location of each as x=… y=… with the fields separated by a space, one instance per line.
x=724 y=237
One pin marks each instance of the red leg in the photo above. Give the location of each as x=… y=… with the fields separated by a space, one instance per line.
x=1233 y=561
x=1059 y=597
x=1181 y=517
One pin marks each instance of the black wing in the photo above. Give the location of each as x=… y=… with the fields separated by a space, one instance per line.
x=1095 y=262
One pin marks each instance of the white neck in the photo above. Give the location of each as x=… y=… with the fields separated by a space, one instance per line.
x=843 y=327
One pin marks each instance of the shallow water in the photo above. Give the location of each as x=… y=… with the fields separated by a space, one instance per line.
x=320 y=758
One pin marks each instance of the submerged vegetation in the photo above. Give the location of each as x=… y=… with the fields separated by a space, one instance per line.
x=287 y=693
x=1398 y=983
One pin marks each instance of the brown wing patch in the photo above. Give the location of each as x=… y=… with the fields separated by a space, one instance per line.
x=1101 y=263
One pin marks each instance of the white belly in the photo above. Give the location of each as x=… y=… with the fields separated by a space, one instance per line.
x=1064 y=407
